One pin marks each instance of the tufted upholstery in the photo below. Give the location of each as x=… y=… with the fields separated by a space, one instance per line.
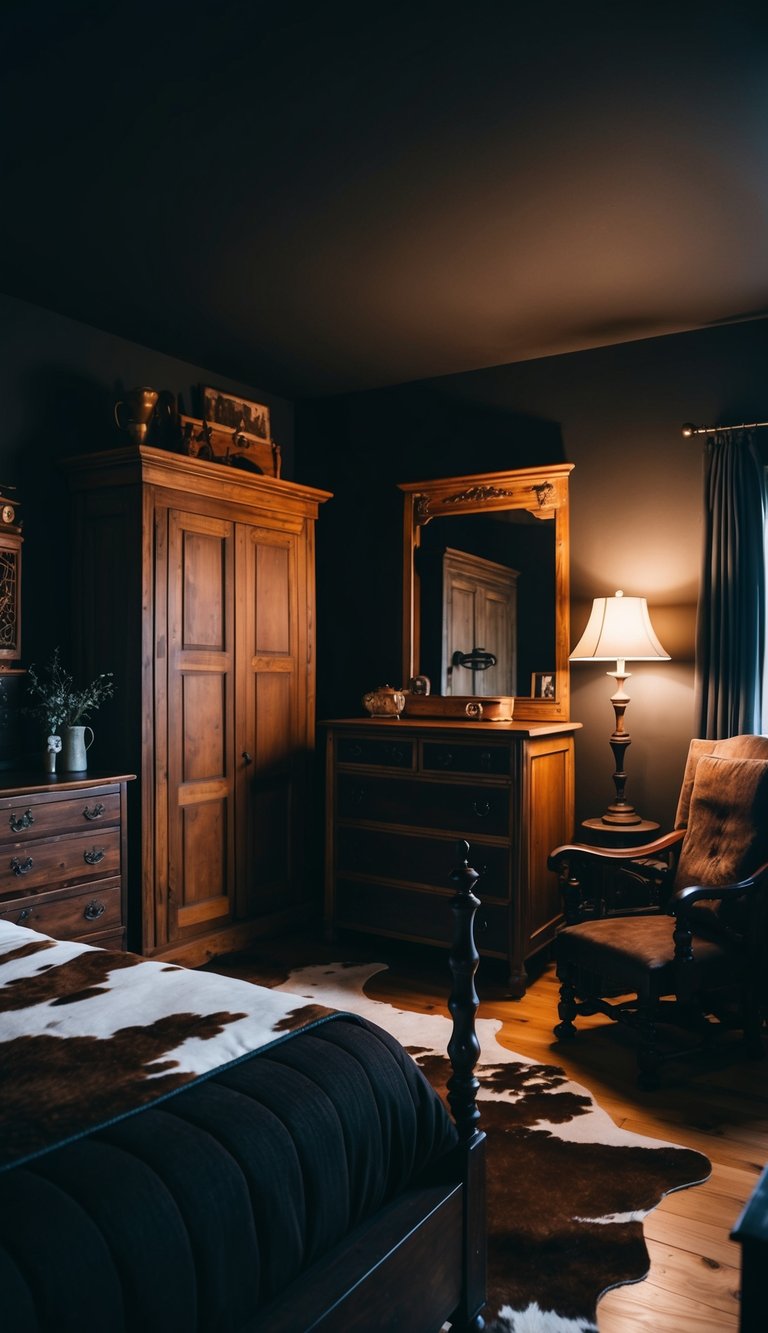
x=734 y=747
x=727 y=828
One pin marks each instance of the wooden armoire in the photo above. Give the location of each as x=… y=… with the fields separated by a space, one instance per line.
x=194 y=583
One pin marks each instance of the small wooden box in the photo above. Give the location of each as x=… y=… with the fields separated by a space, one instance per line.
x=235 y=448
x=498 y=708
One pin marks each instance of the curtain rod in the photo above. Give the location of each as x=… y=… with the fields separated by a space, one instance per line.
x=688 y=429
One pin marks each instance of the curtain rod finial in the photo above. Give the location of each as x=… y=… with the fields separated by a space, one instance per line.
x=688 y=429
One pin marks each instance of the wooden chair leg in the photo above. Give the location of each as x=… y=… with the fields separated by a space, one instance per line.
x=565 y=1030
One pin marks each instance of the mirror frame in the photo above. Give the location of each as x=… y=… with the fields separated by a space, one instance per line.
x=543 y=491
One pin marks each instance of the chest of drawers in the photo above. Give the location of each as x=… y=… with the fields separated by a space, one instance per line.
x=399 y=796
x=62 y=856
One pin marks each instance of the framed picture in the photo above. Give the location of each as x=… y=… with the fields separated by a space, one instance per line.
x=233 y=413
x=544 y=685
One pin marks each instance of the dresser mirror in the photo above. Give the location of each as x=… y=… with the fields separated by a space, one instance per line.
x=486 y=589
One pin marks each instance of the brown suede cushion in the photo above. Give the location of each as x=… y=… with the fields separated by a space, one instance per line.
x=727 y=834
x=635 y=952
x=733 y=747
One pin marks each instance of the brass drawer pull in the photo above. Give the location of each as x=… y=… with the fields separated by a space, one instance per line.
x=95 y=812
x=95 y=855
x=20 y=867
x=481 y=808
x=22 y=822
x=444 y=758
x=94 y=909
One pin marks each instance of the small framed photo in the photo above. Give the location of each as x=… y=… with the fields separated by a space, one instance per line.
x=544 y=685
x=233 y=413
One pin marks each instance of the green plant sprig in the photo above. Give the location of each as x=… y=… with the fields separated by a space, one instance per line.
x=56 y=702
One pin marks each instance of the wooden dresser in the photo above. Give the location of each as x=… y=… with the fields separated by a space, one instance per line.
x=399 y=795
x=63 y=856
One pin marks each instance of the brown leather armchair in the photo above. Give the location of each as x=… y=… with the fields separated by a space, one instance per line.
x=704 y=968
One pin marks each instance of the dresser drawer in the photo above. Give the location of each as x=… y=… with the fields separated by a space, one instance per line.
x=22 y=820
x=418 y=859
x=449 y=757
x=459 y=808
x=380 y=752
x=96 y=908
x=413 y=915
x=53 y=863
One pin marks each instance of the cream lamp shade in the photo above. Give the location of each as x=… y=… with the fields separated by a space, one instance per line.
x=619 y=627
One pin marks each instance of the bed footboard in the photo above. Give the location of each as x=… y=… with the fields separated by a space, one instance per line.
x=421 y=1261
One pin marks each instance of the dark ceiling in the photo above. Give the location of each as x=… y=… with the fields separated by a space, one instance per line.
x=316 y=198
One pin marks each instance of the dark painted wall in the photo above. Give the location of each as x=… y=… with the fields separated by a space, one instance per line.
x=614 y=412
x=636 y=494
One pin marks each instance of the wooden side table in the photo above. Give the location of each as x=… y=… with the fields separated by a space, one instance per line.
x=599 y=834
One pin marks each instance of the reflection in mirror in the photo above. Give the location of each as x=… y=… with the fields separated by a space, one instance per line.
x=487 y=592
x=486 y=588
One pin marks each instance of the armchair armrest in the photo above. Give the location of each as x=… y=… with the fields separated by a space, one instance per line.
x=682 y=899
x=712 y=925
x=648 y=849
x=571 y=860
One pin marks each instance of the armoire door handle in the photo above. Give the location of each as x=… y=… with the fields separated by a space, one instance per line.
x=247 y=757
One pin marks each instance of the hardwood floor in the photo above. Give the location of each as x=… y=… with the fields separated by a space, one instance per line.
x=717 y=1105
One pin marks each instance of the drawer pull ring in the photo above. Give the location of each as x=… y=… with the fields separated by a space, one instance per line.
x=94 y=910
x=23 y=916
x=20 y=867
x=481 y=808
x=444 y=758
x=22 y=822
x=95 y=812
x=95 y=855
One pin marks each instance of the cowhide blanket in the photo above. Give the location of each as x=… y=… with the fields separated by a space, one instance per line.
x=567 y=1189
x=87 y=1036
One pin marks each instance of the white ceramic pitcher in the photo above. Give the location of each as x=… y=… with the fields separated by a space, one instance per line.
x=74 y=747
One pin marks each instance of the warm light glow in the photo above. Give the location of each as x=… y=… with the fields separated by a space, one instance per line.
x=619 y=628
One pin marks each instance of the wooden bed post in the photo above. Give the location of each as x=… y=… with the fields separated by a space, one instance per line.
x=464 y=1051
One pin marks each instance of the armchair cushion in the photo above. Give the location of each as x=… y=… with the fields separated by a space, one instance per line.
x=727 y=833
x=634 y=953
x=732 y=747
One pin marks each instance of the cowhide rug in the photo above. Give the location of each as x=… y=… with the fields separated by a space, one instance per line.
x=567 y=1189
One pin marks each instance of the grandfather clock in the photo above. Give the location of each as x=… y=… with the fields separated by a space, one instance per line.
x=10 y=627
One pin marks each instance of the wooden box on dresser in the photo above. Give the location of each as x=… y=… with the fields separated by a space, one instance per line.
x=63 y=855
x=195 y=583
x=401 y=792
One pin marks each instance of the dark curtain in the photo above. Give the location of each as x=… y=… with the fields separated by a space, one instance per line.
x=730 y=628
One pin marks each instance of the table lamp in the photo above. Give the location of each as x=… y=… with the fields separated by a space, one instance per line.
x=619 y=627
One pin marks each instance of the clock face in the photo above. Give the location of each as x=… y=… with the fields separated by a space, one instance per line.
x=7 y=513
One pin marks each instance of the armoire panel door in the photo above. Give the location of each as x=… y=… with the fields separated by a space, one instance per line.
x=200 y=722
x=479 y=611
x=271 y=717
